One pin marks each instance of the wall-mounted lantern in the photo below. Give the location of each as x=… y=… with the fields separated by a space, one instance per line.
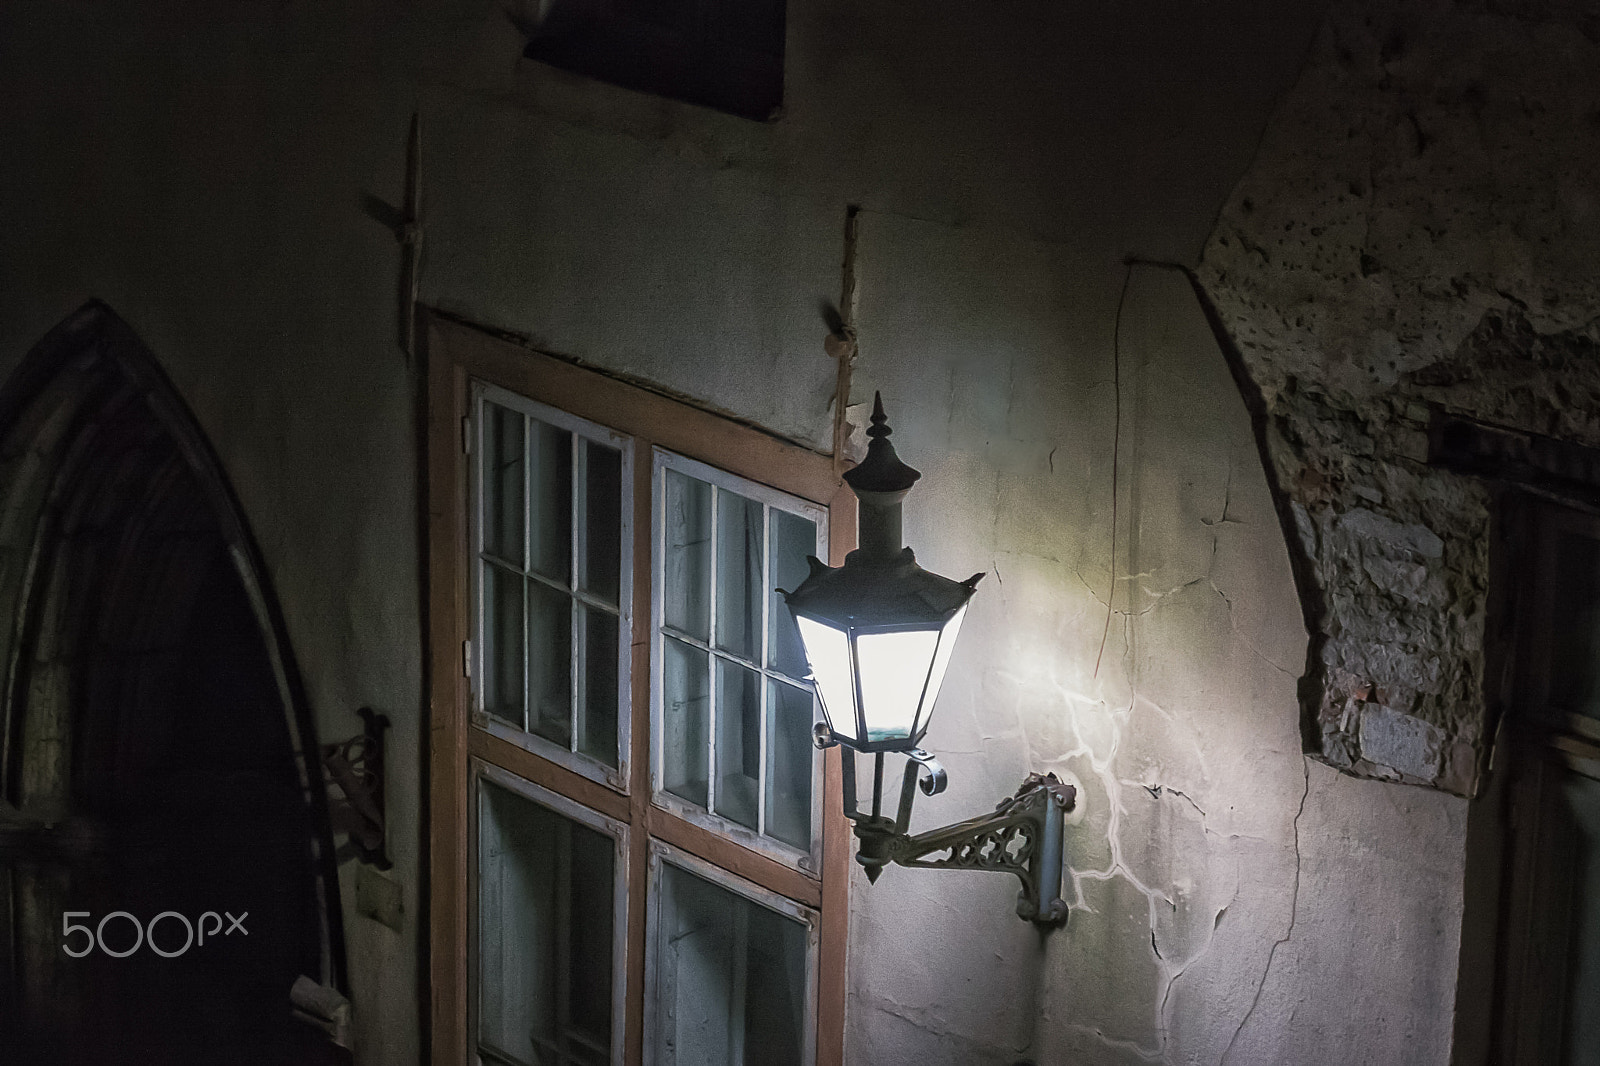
x=878 y=634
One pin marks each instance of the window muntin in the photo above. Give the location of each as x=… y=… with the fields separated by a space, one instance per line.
x=730 y=969
x=549 y=910
x=731 y=710
x=552 y=569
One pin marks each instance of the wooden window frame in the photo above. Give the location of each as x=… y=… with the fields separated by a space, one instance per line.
x=457 y=355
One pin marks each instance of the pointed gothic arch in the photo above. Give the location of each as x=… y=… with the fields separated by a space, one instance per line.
x=157 y=748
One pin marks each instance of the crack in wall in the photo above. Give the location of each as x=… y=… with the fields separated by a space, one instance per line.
x=1294 y=916
x=1179 y=971
x=922 y=1020
x=1145 y=1054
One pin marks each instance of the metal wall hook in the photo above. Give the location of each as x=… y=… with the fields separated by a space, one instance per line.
x=1023 y=835
x=355 y=767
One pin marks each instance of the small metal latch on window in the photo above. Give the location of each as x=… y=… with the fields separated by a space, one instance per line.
x=356 y=767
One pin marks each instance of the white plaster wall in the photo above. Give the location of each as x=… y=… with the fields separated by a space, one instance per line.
x=1227 y=903
x=202 y=170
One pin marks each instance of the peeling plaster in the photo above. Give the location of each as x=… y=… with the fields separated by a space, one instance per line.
x=1419 y=230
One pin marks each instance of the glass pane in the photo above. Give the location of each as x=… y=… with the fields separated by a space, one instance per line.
x=738 y=742
x=1575 y=655
x=739 y=575
x=685 y=714
x=893 y=669
x=503 y=469
x=550 y=663
x=545 y=910
x=597 y=713
x=688 y=555
x=730 y=978
x=828 y=652
x=600 y=543
x=502 y=643
x=793 y=538
x=790 y=758
x=550 y=538
x=941 y=663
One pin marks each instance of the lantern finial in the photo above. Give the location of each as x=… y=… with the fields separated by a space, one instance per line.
x=881 y=471
x=880 y=421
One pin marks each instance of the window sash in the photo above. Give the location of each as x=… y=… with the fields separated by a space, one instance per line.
x=480 y=559
x=461 y=356
x=771 y=499
x=663 y=853
x=576 y=812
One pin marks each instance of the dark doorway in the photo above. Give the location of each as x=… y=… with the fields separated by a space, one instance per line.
x=1531 y=934
x=154 y=784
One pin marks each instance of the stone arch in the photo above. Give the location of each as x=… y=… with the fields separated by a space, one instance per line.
x=157 y=749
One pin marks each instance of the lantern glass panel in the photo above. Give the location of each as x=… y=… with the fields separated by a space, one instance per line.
x=828 y=652
x=941 y=662
x=894 y=671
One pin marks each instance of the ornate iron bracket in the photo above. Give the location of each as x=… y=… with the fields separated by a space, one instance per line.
x=356 y=767
x=1023 y=835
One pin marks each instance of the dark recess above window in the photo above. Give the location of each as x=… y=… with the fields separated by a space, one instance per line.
x=723 y=54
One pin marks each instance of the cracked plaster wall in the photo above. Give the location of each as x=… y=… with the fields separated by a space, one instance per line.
x=1226 y=892
x=1420 y=228
x=202 y=171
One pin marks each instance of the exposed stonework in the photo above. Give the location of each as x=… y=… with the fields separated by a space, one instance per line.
x=1420 y=229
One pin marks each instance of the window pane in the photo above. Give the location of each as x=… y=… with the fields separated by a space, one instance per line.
x=597 y=713
x=731 y=978
x=1574 y=666
x=502 y=643
x=739 y=575
x=793 y=538
x=550 y=663
x=790 y=757
x=688 y=555
x=601 y=536
x=738 y=742
x=550 y=538
x=685 y=715
x=545 y=899
x=503 y=468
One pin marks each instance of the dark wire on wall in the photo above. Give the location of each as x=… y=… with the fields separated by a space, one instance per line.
x=1116 y=444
